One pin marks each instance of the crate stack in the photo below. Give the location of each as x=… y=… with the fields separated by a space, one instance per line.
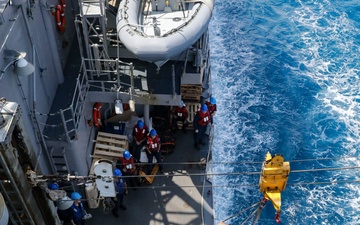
x=191 y=92
x=109 y=146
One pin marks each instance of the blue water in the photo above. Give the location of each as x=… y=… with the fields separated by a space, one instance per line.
x=286 y=75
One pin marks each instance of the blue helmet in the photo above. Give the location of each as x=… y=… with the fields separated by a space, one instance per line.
x=204 y=108
x=53 y=186
x=75 y=196
x=140 y=124
x=213 y=100
x=126 y=154
x=117 y=172
x=153 y=132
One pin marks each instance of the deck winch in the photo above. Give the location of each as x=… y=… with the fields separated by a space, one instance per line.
x=273 y=178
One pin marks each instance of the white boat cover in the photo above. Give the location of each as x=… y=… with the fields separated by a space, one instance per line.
x=167 y=45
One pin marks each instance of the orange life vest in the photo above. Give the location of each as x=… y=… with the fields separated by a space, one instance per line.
x=153 y=144
x=128 y=164
x=181 y=112
x=211 y=107
x=205 y=118
x=140 y=134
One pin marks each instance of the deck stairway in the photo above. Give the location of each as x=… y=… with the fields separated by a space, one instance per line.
x=60 y=164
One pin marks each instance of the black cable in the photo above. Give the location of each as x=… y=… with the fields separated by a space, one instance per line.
x=257 y=162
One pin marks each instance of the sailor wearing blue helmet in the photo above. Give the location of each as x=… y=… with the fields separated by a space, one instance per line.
x=201 y=120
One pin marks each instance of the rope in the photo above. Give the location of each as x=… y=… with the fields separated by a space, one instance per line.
x=249 y=217
x=324 y=182
x=246 y=162
x=237 y=186
x=194 y=174
x=334 y=158
x=259 y=211
x=326 y=169
x=254 y=205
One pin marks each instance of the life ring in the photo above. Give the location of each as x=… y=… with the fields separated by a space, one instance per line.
x=62 y=14
x=97 y=115
x=63 y=3
x=63 y=6
x=59 y=18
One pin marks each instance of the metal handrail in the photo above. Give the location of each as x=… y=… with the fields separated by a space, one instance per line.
x=83 y=83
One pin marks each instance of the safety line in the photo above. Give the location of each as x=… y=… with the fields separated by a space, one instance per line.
x=324 y=182
x=245 y=162
x=248 y=173
x=254 y=205
x=326 y=169
x=333 y=158
x=253 y=213
x=254 y=185
x=65 y=177
x=236 y=186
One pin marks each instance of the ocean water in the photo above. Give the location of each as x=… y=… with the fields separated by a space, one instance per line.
x=286 y=76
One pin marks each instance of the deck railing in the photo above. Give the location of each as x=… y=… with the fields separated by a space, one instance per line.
x=110 y=72
x=65 y=121
x=68 y=119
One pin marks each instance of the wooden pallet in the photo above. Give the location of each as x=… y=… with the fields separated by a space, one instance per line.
x=110 y=146
x=191 y=88
x=192 y=109
x=194 y=98
x=191 y=92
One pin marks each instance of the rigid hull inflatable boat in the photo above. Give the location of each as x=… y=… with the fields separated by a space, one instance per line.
x=159 y=30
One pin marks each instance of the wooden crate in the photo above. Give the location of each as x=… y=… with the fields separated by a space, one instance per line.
x=110 y=146
x=191 y=92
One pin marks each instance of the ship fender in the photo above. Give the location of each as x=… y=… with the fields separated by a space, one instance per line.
x=97 y=115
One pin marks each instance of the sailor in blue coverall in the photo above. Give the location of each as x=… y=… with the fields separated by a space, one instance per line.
x=77 y=209
x=121 y=189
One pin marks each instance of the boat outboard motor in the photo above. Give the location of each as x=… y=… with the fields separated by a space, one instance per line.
x=157 y=31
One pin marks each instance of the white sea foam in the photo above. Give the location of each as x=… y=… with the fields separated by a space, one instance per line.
x=319 y=46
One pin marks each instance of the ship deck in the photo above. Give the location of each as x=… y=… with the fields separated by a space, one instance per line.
x=175 y=198
x=169 y=199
